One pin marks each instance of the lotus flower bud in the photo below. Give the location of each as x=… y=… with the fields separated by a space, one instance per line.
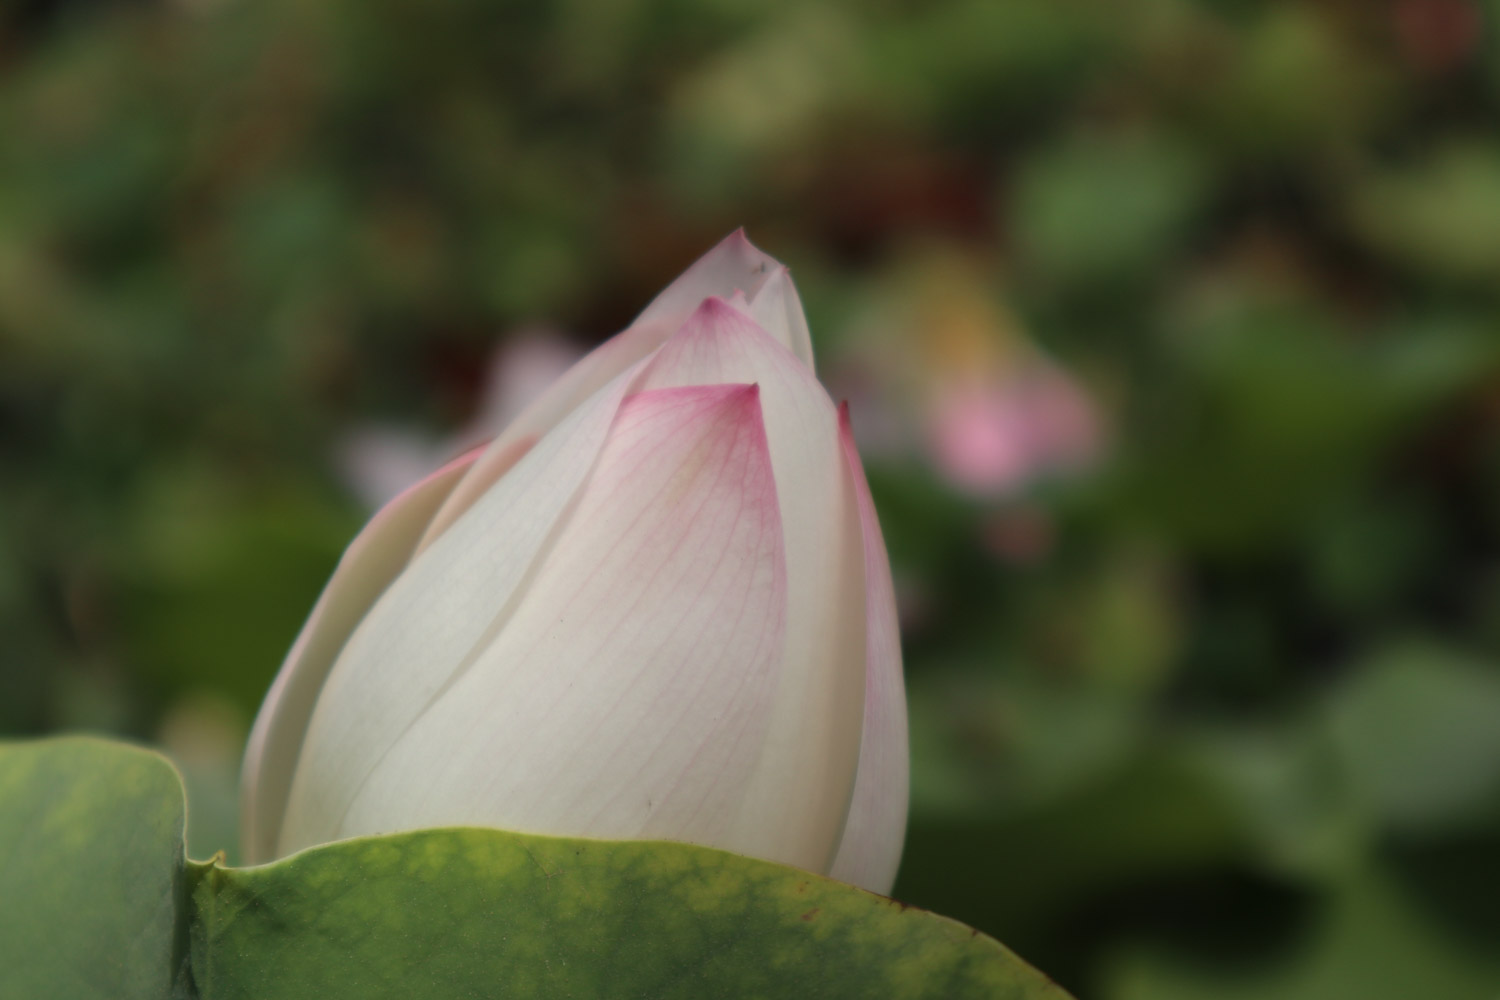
x=656 y=606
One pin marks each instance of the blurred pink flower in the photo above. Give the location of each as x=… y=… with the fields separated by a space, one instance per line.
x=991 y=437
x=941 y=373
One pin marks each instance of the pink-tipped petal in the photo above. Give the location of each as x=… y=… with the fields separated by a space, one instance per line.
x=628 y=692
x=734 y=265
x=428 y=626
x=870 y=850
x=801 y=789
x=372 y=560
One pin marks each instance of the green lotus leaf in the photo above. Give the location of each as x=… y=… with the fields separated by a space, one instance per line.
x=102 y=904
x=93 y=891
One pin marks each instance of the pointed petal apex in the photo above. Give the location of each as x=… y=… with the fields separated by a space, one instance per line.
x=777 y=307
x=735 y=264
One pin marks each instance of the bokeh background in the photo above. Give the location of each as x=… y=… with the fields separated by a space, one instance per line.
x=1171 y=331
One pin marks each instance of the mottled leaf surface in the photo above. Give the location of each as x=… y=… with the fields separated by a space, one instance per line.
x=100 y=904
x=91 y=871
x=469 y=912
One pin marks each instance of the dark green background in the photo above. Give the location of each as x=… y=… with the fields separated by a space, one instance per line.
x=1224 y=723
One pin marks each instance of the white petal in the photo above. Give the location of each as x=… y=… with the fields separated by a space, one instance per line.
x=733 y=265
x=372 y=560
x=800 y=793
x=428 y=626
x=777 y=307
x=630 y=690
x=870 y=851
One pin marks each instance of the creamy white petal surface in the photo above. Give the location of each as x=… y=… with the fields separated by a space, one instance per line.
x=629 y=691
x=777 y=307
x=806 y=774
x=434 y=618
x=657 y=605
x=870 y=850
x=372 y=560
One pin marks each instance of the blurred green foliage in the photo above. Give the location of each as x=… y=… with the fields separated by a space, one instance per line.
x=1228 y=726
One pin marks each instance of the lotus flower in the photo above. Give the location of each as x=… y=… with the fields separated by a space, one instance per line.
x=656 y=606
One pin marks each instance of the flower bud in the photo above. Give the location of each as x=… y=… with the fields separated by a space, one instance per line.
x=656 y=606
